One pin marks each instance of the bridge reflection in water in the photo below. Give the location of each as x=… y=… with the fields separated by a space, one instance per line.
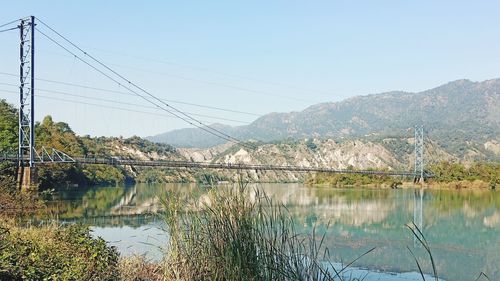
x=461 y=226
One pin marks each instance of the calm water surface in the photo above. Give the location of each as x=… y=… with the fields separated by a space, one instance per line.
x=462 y=227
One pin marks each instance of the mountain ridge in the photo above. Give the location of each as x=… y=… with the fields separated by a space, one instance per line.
x=471 y=109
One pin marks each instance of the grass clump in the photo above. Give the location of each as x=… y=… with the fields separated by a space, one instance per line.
x=138 y=268
x=229 y=235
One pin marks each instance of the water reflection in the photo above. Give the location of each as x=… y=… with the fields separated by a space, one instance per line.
x=418 y=216
x=462 y=227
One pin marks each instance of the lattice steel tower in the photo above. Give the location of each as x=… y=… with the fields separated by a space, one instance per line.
x=27 y=92
x=419 y=153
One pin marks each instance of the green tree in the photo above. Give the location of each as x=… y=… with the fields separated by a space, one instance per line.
x=8 y=127
x=59 y=136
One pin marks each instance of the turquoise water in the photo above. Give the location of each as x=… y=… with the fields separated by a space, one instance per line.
x=462 y=227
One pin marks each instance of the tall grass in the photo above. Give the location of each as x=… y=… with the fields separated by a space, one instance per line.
x=417 y=233
x=229 y=235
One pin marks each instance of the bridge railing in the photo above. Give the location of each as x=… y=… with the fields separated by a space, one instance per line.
x=44 y=157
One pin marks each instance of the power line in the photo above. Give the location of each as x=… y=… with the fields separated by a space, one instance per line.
x=218 y=84
x=220 y=73
x=229 y=86
x=124 y=103
x=132 y=104
x=178 y=113
x=11 y=22
x=130 y=94
x=95 y=104
x=9 y=29
x=136 y=86
x=203 y=127
x=120 y=109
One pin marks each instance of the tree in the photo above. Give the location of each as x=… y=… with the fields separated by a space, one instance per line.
x=58 y=135
x=8 y=127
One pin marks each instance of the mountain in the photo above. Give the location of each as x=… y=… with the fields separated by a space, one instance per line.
x=192 y=137
x=457 y=112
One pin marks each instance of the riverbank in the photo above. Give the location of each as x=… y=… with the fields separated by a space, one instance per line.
x=454 y=185
x=481 y=175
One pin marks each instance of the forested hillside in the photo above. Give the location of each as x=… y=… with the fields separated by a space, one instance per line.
x=59 y=135
x=462 y=116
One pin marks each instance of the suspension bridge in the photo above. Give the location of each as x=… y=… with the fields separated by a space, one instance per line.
x=28 y=158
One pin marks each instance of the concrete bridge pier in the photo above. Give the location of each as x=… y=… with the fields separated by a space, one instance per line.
x=27 y=178
x=419 y=180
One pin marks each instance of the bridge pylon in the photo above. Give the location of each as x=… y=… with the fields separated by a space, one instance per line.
x=26 y=148
x=419 y=174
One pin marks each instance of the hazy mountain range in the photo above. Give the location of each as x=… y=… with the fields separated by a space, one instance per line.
x=456 y=112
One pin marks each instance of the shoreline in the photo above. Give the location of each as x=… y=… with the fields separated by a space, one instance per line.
x=453 y=185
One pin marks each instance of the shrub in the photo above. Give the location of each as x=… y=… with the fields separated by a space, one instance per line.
x=208 y=178
x=54 y=252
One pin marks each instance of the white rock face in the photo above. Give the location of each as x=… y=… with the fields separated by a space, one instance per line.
x=493 y=146
x=306 y=153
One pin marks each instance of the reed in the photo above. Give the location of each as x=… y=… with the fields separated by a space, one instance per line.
x=229 y=235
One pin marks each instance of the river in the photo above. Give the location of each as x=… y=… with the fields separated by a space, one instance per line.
x=461 y=226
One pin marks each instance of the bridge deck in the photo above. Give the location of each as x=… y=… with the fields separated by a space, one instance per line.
x=209 y=165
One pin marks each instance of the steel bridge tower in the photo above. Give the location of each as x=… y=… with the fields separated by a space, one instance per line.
x=26 y=147
x=419 y=154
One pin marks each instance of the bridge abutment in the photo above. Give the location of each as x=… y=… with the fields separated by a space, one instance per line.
x=27 y=178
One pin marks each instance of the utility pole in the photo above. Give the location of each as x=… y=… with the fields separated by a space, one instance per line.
x=419 y=154
x=26 y=102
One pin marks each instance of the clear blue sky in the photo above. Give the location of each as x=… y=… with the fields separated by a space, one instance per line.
x=252 y=56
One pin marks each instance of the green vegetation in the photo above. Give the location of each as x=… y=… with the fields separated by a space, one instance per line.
x=341 y=180
x=452 y=175
x=209 y=178
x=59 y=135
x=148 y=147
x=161 y=175
x=457 y=175
x=311 y=145
x=48 y=252
x=8 y=127
x=54 y=253
x=16 y=204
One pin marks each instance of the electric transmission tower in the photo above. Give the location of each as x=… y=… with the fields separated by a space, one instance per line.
x=419 y=153
x=27 y=92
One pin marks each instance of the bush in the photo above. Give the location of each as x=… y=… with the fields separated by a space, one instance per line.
x=208 y=178
x=103 y=174
x=480 y=174
x=54 y=252
x=340 y=180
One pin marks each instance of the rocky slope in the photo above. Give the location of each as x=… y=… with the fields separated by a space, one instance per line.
x=390 y=154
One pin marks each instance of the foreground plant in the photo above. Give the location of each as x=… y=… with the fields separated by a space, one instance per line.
x=54 y=252
x=229 y=235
